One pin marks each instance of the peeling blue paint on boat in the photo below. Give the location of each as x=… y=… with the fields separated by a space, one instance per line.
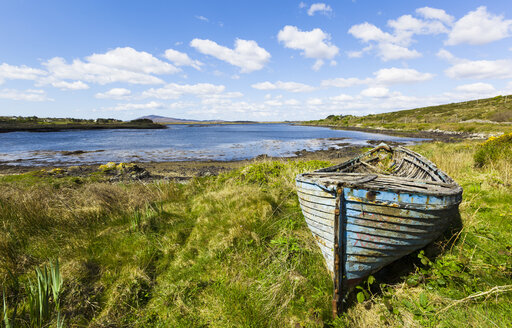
x=363 y=221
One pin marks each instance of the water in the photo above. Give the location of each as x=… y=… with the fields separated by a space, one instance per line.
x=176 y=143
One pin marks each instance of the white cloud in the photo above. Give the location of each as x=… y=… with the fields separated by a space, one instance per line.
x=433 y=13
x=273 y=103
x=407 y=25
x=302 y=5
x=384 y=76
x=446 y=55
x=204 y=19
x=476 y=69
x=507 y=90
x=77 y=85
x=400 y=75
x=26 y=95
x=480 y=69
x=118 y=65
x=11 y=72
x=319 y=7
x=287 y=86
x=79 y=70
x=389 y=51
x=355 y=54
x=247 y=54
x=389 y=46
x=341 y=98
x=292 y=102
x=235 y=94
x=130 y=106
x=344 y=82
x=314 y=101
x=173 y=90
x=479 y=27
x=395 y=45
x=314 y=44
x=132 y=60
x=317 y=65
x=480 y=88
x=375 y=92
x=367 y=32
x=182 y=59
x=115 y=93
x=359 y=54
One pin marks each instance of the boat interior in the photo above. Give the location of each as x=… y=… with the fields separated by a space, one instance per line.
x=395 y=161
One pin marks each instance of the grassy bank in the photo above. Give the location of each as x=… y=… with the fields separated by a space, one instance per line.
x=234 y=251
x=490 y=115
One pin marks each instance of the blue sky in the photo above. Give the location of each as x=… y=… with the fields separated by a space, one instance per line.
x=249 y=60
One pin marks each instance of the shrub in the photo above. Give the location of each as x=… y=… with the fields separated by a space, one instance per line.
x=494 y=149
x=142 y=121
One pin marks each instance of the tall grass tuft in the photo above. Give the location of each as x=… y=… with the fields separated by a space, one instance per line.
x=43 y=296
x=7 y=323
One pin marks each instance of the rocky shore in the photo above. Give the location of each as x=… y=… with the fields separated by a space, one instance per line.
x=434 y=135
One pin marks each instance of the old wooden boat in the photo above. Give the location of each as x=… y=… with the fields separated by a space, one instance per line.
x=374 y=209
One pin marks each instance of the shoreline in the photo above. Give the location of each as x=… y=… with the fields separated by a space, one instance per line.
x=184 y=170
x=439 y=135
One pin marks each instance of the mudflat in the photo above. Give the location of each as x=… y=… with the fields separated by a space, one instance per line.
x=187 y=169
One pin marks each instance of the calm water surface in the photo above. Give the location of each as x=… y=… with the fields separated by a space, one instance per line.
x=176 y=143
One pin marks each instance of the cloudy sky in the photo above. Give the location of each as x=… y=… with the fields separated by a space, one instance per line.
x=249 y=60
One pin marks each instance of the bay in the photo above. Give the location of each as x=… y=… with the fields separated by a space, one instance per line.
x=176 y=143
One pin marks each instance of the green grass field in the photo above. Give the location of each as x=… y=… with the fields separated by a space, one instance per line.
x=234 y=251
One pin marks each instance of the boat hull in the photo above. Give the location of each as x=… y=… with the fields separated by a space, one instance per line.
x=374 y=209
x=359 y=231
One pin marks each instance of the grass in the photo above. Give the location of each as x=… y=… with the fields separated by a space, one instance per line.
x=491 y=115
x=234 y=251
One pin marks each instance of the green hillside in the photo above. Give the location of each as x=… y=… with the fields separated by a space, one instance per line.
x=482 y=115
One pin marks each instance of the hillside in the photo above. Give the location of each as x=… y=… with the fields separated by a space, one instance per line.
x=481 y=115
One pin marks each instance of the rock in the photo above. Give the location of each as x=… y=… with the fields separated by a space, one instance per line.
x=261 y=157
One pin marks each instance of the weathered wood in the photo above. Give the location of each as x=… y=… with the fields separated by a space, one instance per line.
x=369 y=211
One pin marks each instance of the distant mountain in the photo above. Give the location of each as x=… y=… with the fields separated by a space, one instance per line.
x=163 y=119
